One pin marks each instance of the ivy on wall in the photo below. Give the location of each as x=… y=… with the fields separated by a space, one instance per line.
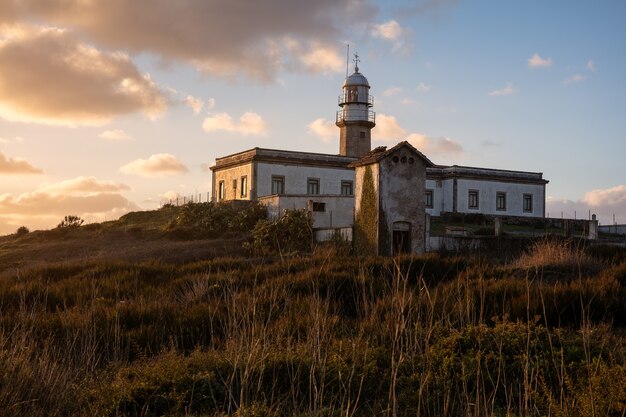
x=365 y=225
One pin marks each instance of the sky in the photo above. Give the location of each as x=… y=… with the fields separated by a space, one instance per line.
x=114 y=106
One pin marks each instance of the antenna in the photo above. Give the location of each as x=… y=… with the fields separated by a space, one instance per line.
x=347 y=58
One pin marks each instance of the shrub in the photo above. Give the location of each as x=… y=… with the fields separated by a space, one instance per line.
x=22 y=230
x=213 y=219
x=292 y=232
x=70 y=221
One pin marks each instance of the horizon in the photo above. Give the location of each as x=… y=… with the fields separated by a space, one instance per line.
x=103 y=112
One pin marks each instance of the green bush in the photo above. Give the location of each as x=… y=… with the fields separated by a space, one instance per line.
x=293 y=232
x=204 y=220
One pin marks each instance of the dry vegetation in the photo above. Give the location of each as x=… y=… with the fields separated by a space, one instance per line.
x=318 y=335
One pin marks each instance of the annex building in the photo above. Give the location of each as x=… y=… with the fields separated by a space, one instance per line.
x=379 y=198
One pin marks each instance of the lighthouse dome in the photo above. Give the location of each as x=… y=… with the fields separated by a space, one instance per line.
x=356 y=79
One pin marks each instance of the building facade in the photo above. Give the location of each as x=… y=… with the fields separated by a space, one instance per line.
x=400 y=193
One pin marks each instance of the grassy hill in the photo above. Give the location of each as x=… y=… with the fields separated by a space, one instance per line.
x=146 y=316
x=136 y=236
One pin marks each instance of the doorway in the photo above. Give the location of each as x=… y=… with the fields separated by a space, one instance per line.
x=401 y=236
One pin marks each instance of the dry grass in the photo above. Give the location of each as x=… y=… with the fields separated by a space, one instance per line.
x=126 y=322
x=552 y=253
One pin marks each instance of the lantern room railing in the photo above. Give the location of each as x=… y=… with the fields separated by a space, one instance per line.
x=355 y=115
x=344 y=99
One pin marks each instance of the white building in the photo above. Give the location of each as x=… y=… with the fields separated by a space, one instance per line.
x=325 y=184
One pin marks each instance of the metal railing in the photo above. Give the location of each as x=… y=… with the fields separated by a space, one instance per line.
x=355 y=116
x=344 y=99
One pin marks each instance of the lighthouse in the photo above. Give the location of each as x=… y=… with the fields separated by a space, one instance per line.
x=356 y=117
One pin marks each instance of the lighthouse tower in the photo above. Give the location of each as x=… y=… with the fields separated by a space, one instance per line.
x=356 y=117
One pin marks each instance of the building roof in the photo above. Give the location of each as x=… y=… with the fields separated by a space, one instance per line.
x=458 y=171
x=282 y=156
x=382 y=152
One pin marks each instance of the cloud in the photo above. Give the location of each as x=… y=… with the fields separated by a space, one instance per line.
x=389 y=130
x=391 y=91
x=16 y=166
x=158 y=165
x=210 y=103
x=194 y=103
x=591 y=66
x=423 y=88
x=249 y=124
x=389 y=31
x=576 y=78
x=223 y=37
x=170 y=196
x=116 y=134
x=49 y=76
x=321 y=59
x=604 y=202
x=392 y=31
x=46 y=206
x=430 y=145
x=507 y=90
x=536 y=61
x=324 y=129
x=16 y=139
x=82 y=186
x=407 y=101
x=614 y=196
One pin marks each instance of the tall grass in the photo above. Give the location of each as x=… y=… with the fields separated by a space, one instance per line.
x=318 y=336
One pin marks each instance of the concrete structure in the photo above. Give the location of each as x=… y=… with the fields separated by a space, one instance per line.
x=405 y=185
x=388 y=219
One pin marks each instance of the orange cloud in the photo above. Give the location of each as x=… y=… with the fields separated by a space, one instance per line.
x=86 y=197
x=217 y=36
x=158 y=165
x=324 y=129
x=49 y=76
x=249 y=124
x=389 y=131
x=16 y=166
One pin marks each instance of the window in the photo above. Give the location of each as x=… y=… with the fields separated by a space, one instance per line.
x=278 y=185
x=313 y=186
x=362 y=135
x=319 y=206
x=244 y=186
x=221 y=193
x=528 y=203
x=501 y=201
x=429 y=199
x=472 y=199
x=346 y=187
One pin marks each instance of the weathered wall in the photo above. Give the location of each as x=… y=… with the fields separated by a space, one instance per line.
x=350 y=141
x=338 y=211
x=228 y=175
x=296 y=178
x=402 y=188
x=366 y=206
